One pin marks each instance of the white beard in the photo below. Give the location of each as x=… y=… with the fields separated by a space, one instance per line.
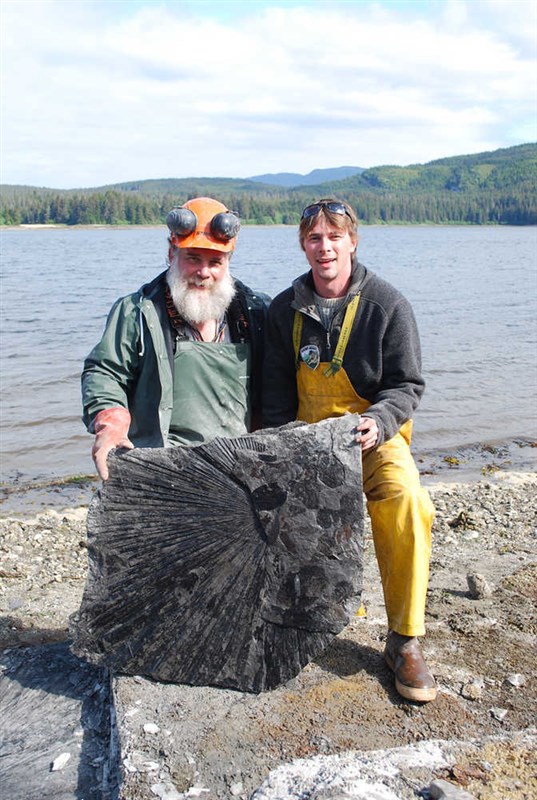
x=199 y=305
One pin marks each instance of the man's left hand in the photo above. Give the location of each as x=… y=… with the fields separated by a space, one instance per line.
x=366 y=433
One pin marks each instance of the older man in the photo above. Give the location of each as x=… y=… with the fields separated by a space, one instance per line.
x=179 y=360
x=341 y=340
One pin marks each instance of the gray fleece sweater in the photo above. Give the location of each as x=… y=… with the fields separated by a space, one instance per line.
x=382 y=358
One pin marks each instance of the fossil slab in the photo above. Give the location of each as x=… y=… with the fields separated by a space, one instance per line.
x=228 y=564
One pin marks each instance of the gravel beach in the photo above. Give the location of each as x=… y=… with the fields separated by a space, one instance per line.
x=179 y=741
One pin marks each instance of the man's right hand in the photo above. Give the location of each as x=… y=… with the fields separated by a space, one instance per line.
x=367 y=433
x=111 y=430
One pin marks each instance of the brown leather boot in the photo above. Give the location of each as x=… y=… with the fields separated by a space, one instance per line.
x=413 y=680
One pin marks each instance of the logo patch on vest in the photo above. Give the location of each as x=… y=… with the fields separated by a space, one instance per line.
x=310 y=355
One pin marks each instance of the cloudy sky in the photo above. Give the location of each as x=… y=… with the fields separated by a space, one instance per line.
x=98 y=92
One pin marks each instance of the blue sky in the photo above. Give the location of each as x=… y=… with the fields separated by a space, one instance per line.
x=101 y=91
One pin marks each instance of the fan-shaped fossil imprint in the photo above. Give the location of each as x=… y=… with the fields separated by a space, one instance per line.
x=228 y=564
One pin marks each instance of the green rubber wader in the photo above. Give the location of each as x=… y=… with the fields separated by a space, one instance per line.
x=211 y=391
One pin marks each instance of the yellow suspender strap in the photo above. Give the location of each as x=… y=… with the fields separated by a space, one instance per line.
x=337 y=360
x=343 y=340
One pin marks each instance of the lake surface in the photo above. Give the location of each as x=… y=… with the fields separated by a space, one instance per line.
x=473 y=290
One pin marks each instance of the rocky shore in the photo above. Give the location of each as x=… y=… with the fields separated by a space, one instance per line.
x=340 y=721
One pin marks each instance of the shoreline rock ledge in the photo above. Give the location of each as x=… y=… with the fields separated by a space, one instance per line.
x=338 y=714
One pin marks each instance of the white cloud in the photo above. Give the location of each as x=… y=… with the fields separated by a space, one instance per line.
x=92 y=97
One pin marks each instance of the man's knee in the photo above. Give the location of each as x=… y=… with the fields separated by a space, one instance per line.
x=390 y=471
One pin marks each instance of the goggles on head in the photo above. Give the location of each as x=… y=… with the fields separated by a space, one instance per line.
x=334 y=207
x=224 y=226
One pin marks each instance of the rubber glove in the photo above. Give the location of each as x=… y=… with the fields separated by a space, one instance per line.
x=111 y=430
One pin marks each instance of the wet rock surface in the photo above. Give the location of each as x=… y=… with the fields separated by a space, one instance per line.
x=341 y=708
x=56 y=726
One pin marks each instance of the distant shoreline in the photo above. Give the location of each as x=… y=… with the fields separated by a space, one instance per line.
x=361 y=223
x=465 y=465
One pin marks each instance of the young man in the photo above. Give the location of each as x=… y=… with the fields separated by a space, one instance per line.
x=179 y=360
x=341 y=340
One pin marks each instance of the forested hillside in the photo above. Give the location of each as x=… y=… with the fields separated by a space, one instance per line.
x=498 y=187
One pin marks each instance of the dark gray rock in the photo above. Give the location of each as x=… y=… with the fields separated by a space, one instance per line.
x=229 y=564
x=57 y=734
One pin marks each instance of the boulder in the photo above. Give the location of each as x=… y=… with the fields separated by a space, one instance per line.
x=230 y=564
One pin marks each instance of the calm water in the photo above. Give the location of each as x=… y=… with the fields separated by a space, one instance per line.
x=474 y=293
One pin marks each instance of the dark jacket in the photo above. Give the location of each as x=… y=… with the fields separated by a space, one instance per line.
x=382 y=358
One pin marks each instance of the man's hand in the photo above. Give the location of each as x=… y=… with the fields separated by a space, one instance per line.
x=111 y=430
x=366 y=433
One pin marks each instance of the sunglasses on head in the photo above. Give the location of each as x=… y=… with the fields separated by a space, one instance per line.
x=315 y=208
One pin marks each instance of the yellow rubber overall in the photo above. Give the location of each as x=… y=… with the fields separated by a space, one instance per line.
x=400 y=508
